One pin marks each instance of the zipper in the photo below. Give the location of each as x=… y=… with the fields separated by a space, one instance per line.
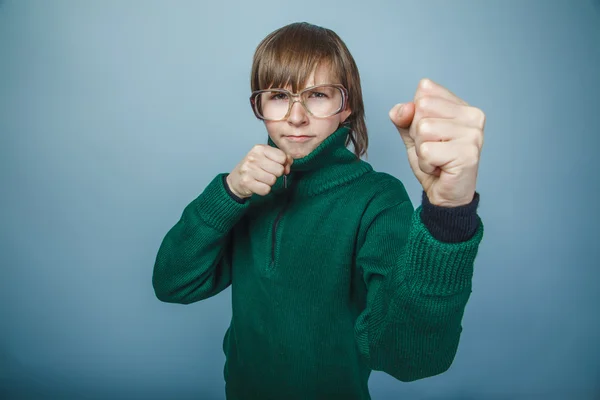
x=276 y=222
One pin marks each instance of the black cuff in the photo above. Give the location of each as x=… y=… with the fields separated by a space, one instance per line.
x=228 y=190
x=450 y=224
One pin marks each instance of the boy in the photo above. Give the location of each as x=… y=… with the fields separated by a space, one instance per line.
x=333 y=274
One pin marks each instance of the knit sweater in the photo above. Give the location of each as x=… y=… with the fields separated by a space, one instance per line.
x=333 y=274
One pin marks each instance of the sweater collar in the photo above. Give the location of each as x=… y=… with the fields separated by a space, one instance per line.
x=330 y=164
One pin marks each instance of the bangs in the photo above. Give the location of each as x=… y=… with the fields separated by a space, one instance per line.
x=289 y=56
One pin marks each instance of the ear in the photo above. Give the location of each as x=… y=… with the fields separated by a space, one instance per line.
x=345 y=114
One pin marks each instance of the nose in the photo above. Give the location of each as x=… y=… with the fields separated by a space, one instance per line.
x=298 y=115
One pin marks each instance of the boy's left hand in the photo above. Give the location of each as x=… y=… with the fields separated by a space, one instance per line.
x=443 y=136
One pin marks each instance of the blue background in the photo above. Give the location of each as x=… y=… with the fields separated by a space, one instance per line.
x=114 y=115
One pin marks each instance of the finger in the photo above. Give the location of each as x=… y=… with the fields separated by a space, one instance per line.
x=275 y=154
x=444 y=130
x=428 y=87
x=402 y=115
x=272 y=167
x=435 y=154
x=259 y=188
x=430 y=106
x=260 y=175
x=446 y=156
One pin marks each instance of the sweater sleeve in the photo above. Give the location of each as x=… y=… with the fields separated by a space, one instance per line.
x=417 y=290
x=194 y=259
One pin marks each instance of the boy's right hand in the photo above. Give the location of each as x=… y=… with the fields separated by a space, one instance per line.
x=258 y=171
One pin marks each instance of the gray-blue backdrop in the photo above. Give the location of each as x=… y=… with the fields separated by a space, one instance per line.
x=115 y=114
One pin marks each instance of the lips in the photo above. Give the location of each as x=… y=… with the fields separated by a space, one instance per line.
x=298 y=138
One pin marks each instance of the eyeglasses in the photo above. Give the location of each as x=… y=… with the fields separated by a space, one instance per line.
x=320 y=101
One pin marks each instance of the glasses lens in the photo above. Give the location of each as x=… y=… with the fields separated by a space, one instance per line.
x=272 y=104
x=323 y=101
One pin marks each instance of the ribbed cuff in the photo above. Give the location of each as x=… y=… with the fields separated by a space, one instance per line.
x=442 y=268
x=217 y=207
x=450 y=224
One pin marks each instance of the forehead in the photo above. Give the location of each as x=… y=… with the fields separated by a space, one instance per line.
x=321 y=74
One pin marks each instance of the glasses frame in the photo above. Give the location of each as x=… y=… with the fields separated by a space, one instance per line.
x=297 y=98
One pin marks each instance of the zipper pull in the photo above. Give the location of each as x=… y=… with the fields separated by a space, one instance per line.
x=285 y=181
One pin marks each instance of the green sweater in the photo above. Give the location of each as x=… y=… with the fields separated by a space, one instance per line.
x=332 y=275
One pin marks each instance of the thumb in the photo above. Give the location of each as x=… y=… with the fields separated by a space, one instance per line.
x=288 y=164
x=402 y=115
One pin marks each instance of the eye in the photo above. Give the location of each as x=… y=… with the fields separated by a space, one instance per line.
x=318 y=95
x=278 y=96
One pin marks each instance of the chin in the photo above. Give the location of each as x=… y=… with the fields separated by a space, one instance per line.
x=295 y=152
x=297 y=155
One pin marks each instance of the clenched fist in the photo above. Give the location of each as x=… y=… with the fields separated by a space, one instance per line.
x=443 y=136
x=258 y=171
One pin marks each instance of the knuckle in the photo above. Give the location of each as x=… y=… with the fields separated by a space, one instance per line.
x=481 y=114
x=245 y=181
x=477 y=138
x=424 y=83
x=477 y=116
x=257 y=151
x=244 y=169
x=424 y=150
x=425 y=125
x=423 y=103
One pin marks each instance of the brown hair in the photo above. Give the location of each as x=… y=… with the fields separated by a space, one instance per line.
x=291 y=53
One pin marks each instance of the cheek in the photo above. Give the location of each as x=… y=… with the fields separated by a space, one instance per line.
x=275 y=129
x=328 y=125
x=271 y=127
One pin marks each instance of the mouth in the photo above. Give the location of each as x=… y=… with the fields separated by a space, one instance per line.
x=298 y=138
